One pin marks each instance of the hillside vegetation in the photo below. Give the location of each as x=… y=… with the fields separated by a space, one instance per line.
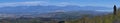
x=86 y=18
x=109 y=18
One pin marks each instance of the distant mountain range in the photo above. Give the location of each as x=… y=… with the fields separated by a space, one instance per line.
x=46 y=9
x=51 y=11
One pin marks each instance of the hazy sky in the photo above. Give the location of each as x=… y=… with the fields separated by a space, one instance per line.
x=107 y=3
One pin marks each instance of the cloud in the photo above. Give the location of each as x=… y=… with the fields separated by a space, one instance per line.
x=48 y=2
x=66 y=3
x=59 y=11
x=105 y=10
x=34 y=3
x=24 y=3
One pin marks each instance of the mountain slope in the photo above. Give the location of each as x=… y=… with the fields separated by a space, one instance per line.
x=46 y=9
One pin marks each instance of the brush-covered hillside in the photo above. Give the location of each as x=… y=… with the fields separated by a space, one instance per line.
x=109 y=18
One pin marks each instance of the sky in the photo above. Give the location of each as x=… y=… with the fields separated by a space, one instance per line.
x=106 y=3
x=100 y=3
